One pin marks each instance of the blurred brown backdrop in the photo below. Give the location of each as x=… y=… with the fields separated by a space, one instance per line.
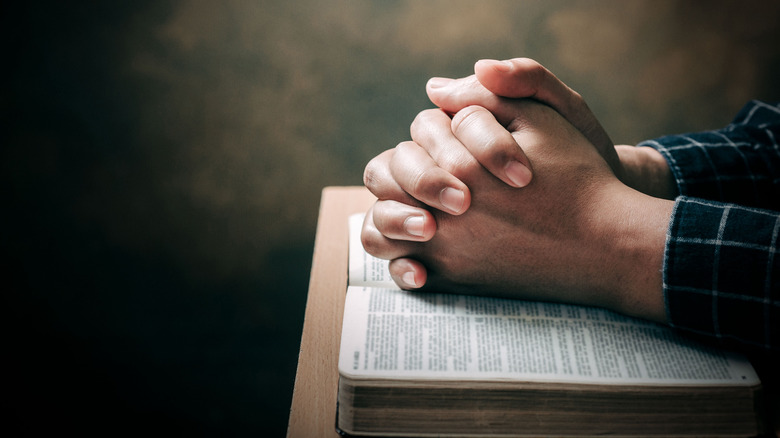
x=162 y=163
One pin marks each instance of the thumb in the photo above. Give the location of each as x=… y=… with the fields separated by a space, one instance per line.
x=526 y=78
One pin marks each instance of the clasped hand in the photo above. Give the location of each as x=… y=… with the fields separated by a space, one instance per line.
x=510 y=198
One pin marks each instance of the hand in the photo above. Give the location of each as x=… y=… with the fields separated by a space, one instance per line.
x=641 y=168
x=517 y=78
x=574 y=234
x=401 y=210
x=520 y=78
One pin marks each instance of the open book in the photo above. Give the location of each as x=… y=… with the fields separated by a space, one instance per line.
x=423 y=364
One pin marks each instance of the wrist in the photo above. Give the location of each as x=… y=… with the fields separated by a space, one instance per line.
x=646 y=170
x=633 y=242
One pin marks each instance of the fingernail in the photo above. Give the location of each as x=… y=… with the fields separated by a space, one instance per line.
x=452 y=199
x=503 y=66
x=408 y=279
x=414 y=225
x=435 y=83
x=518 y=173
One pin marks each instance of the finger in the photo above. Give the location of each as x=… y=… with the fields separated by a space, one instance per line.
x=408 y=273
x=420 y=176
x=399 y=221
x=379 y=180
x=526 y=78
x=496 y=83
x=508 y=163
x=456 y=94
x=432 y=131
x=452 y=95
x=376 y=244
x=492 y=145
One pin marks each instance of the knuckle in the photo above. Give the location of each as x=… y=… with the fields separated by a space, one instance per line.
x=373 y=173
x=422 y=119
x=376 y=170
x=536 y=67
x=465 y=166
x=372 y=242
x=403 y=148
x=382 y=216
x=404 y=155
x=427 y=124
x=457 y=163
x=369 y=175
x=519 y=124
x=465 y=118
x=492 y=150
x=424 y=181
x=536 y=72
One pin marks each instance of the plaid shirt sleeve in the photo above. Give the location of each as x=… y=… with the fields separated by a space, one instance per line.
x=721 y=268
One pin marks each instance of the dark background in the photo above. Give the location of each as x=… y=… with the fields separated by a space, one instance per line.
x=162 y=163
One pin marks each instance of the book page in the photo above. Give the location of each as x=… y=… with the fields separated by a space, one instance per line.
x=364 y=269
x=389 y=333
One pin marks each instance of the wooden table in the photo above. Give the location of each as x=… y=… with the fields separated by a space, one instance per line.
x=313 y=411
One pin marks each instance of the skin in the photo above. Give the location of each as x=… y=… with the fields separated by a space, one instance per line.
x=567 y=229
x=494 y=81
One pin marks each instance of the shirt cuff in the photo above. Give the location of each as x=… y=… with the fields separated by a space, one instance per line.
x=721 y=272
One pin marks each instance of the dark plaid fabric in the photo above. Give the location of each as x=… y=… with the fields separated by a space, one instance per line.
x=721 y=268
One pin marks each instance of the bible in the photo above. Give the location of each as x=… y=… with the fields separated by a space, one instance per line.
x=435 y=364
